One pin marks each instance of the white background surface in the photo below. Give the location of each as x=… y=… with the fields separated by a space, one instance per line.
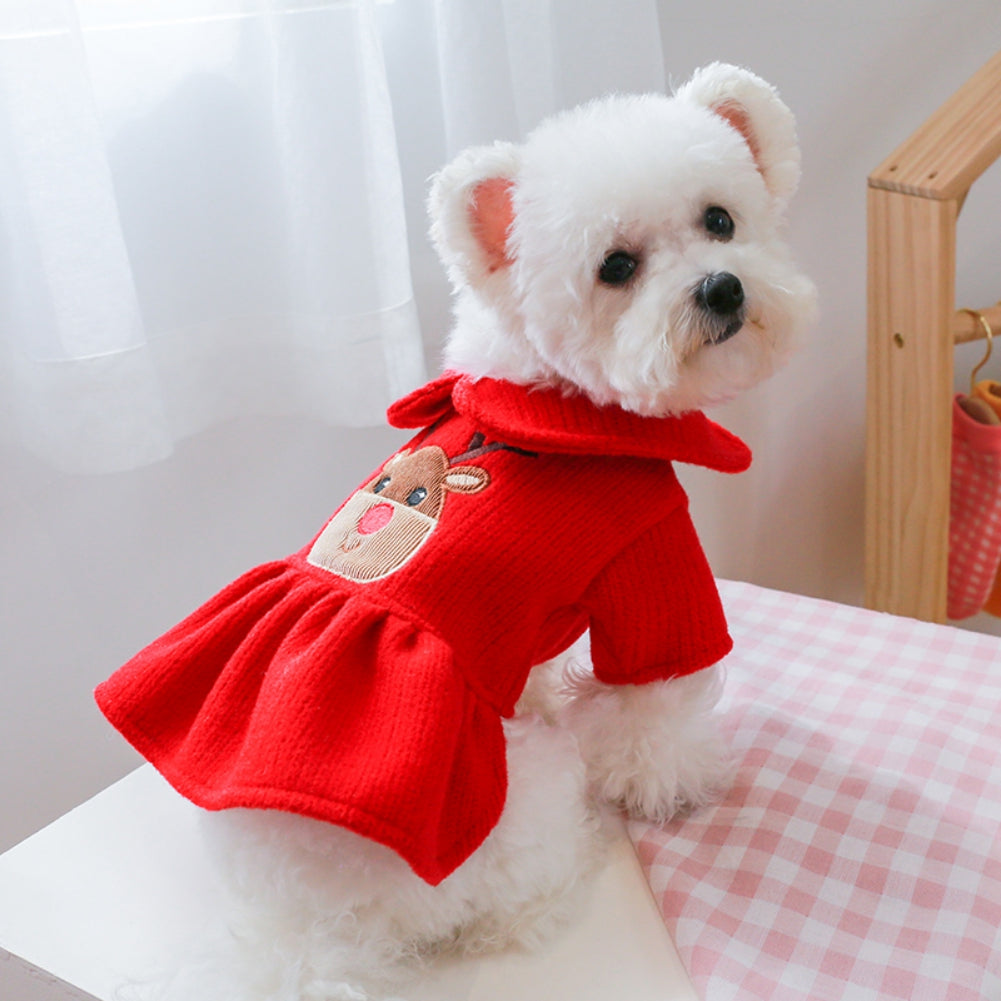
x=108 y=891
x=93 y=568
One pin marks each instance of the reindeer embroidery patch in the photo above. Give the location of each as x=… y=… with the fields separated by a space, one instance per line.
x=382 y=525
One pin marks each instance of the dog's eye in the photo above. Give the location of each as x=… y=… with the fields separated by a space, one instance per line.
x=381 y=485
x=416 y=496
x=718 y=222
x=617 y=268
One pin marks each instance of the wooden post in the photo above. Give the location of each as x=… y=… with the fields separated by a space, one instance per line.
x=911 y=302
x=914 y=200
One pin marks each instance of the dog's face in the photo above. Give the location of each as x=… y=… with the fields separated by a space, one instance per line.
x=631 y=248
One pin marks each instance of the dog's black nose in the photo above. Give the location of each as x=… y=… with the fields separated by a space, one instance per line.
x=722 y=293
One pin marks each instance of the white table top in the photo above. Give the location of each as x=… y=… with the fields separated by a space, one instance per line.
x=104 y=893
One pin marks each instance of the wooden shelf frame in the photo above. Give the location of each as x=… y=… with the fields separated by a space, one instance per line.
x=914 y=200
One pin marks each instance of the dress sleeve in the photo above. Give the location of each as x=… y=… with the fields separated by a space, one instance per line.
x=654 y=609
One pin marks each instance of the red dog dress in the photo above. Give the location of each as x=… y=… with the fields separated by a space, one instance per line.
x=363 y=680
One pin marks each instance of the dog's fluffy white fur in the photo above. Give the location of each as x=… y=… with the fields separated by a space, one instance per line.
x=633 y=174
x=317 y=913
x=322 y=915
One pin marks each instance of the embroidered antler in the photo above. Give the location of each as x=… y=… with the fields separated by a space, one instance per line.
x=476 y=448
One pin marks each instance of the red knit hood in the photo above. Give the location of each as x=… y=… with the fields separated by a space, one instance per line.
x=547 y=420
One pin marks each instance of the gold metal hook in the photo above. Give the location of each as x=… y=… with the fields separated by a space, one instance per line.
x=990 y=344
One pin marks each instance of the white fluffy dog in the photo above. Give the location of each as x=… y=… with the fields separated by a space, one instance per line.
x=630 y=250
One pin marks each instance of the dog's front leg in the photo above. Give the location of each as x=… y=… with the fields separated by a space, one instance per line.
x=654 y=749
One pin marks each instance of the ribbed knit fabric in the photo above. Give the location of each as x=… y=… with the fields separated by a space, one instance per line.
x=362 y=680
x=989 y=391
x=974 y=513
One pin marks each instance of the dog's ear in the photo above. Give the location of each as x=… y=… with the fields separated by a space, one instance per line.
x=472 y=212
x=754 y=109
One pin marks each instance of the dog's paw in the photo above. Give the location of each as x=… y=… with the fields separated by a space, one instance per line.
x=655 y=750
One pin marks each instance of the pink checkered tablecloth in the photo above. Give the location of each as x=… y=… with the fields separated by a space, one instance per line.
x=858 y=854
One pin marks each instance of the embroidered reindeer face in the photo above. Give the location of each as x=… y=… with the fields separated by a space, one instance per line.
x=382 y=525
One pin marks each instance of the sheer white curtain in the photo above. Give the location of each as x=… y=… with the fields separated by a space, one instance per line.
x=202 y=218
x=204 y=203
x=463 y=72
x=507 y=63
